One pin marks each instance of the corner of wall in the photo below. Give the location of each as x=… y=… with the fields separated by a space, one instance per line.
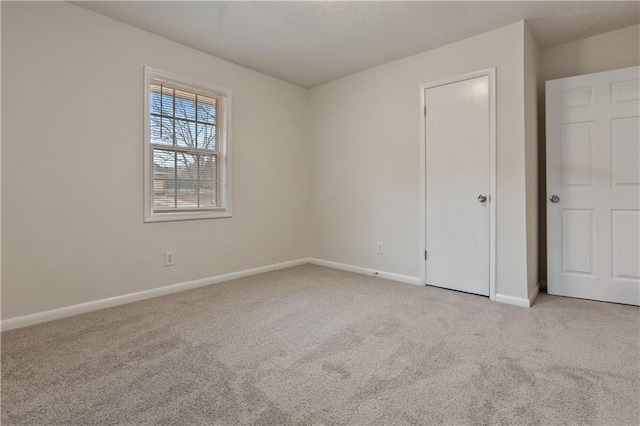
x=308 y=141
x=0 y=161
x=531 y=62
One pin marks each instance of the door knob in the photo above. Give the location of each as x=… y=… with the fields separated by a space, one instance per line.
x=554 y=198
x=482 y=198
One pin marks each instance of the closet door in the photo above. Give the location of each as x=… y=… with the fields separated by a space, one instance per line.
x=593 y=186
x=458 y=185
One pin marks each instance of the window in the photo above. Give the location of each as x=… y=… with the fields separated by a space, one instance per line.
x=187 y=149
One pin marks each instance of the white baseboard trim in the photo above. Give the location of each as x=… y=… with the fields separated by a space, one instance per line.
x=31 y=319
x=68 y=311
x=366 y=271
x=519 y=301
x=511 y=300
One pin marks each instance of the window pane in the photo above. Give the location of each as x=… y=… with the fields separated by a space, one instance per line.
x=187 y=167
x=206 y=136
x=185 y=105
x=161 y=130
x=206 y=110
x=161 y=104
x=155 y=105
x=163 y=194
x=186 y=133
x=208 y=178
x=163 y=163
x=163 y=179
x=207 y=198
x=207 y=170
x=187 y=194
x=195 y=186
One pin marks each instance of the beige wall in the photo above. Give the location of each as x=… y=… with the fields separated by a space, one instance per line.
x=604 y=52
x=608 y=51
x=0 y=172
x=365 y=145
x=531 y=58
x=72 y=164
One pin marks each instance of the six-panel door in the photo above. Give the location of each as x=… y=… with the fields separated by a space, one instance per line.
x=593 y=186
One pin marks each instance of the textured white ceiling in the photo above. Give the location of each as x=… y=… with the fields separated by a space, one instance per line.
x=310 y=43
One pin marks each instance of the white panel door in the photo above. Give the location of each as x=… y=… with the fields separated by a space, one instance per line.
x=593 y=186
x=457 y=181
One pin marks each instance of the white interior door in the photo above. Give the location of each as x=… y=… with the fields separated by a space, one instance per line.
x=457 y=182
x=593 y=186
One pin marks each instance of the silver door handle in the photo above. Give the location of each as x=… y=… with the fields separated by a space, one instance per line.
x=554 y=198
x=482 y=198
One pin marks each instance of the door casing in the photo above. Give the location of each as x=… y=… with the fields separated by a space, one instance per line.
x=491 y=74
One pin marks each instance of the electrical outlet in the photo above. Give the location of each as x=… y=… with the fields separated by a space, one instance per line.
x=169 y=258
x=380 y=247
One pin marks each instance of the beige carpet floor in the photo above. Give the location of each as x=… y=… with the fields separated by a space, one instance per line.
x=311 y=345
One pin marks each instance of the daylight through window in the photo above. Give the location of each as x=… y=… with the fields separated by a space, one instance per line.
x=188 y=145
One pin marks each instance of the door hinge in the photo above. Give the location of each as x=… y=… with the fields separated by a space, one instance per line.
x=425 y=255
x=425 y=111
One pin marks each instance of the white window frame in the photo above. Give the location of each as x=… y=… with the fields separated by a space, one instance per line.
x=225 y=150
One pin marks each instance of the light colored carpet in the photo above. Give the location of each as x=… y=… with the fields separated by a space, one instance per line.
x=315 y=345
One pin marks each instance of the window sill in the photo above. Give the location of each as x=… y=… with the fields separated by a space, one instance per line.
x=171 y=217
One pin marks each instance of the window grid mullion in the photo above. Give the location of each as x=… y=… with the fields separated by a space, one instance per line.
x=196 y=106
x=175 y=154
x=198 y=179
x=173 y=117
x=218 y=171
x=185 y=150
x=161 y=108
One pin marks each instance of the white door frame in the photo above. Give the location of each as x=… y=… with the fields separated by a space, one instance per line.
x=491 y=73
